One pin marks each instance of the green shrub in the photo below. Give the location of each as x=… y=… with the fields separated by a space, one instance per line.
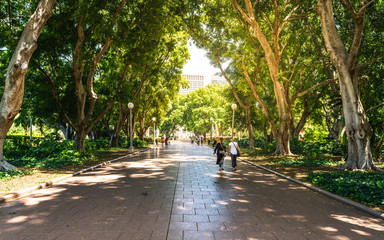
x=264 y=147
x=243 y=143
x=137 y=143
x=365 y=187
x=305 y=162
x=96 y=144
x=315 y=149
x=8 y=174
x=49 y=154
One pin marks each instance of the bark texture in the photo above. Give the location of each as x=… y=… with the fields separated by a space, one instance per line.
x=358 y=129
x=18 y=66
x=123 y=113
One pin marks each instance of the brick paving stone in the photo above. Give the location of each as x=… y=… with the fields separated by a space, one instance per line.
x=178 y=193
x=196 y=218
x=193 y=235
x=229 y=235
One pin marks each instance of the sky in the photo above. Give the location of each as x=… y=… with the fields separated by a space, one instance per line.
x=199 y=64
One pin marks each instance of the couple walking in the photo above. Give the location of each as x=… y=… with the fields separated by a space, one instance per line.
x=233 y=150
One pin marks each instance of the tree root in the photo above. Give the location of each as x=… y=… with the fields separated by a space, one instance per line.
x=7 y=166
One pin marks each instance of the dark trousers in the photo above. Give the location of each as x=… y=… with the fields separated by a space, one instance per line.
x=234 y=162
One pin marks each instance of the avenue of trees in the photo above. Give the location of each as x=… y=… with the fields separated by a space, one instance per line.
x=286 y=63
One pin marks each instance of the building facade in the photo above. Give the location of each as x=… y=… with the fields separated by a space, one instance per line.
x=195 y=82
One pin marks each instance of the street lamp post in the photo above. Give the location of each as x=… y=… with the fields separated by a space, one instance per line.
x=211 y=127
x=130 y=106
x=154 y=131
x=234 y=106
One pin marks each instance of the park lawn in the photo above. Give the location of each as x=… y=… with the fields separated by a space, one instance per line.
x=301 y=172
x=39 y=176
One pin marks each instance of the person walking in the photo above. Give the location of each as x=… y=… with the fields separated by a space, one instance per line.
x=235 y=152
x=220 y=150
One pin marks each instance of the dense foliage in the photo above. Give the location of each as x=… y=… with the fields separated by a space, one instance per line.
x=366 y=187
x=53 y=154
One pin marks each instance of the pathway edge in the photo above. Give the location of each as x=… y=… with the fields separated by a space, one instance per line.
x=50 y=183
x=338 y=198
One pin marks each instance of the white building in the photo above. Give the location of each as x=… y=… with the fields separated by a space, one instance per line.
x=195 y=82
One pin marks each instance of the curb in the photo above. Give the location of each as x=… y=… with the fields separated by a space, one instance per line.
x=50 y=183
x=356 y=205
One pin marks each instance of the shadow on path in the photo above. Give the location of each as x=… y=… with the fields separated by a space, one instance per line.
x=178 y=193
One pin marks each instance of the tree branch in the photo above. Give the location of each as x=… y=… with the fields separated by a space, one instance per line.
x=56 y=96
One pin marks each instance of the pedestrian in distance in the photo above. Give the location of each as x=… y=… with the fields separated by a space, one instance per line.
x=235 y=152
x=166 y=141
x=220 y=150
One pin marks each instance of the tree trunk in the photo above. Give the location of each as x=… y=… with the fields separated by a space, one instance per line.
x=14 y=83
x=80 y=139
x=337 y=124
x=272 y=56
x=142 y=128
x=114 y=142
x=251 y=133
x=358 y=129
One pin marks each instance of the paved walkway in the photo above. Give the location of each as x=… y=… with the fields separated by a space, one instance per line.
x=178 y=193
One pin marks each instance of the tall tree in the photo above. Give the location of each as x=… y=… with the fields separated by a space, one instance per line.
x=18 y=66
x=344 y=58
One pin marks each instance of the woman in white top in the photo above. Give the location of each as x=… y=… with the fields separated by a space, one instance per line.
x=234 y=150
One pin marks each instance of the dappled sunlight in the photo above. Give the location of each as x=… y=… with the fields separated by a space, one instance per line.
x=146 y=175
x=239 y=188
x=362 y=233
x=222 y=202
x=35 y=200
x=267 y=209
x=328 y=229
x=371 y=223
x=18 y=219
x=77 y=197
x=144 y=193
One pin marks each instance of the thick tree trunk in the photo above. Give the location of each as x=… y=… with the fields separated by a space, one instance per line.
x=14 y=83
x=358 y=129
x=282 y=142
x=80 y=140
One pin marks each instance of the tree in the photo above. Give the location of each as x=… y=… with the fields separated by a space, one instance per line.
x=358 y=129
x=17 y=68
x=271 y=32
x=202 y=104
